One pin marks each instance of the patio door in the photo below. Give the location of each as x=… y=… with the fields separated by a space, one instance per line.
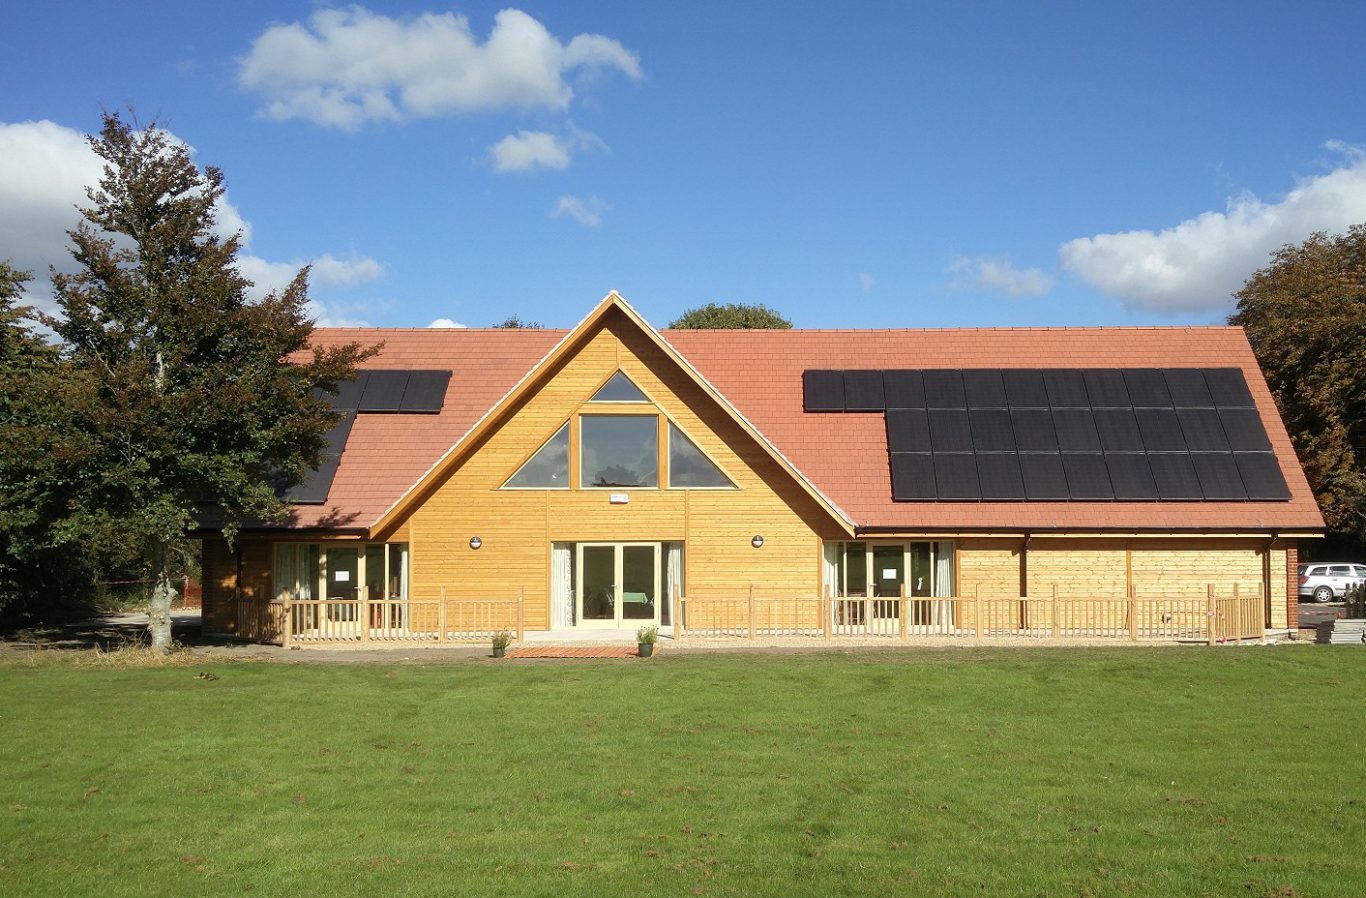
x=618 y=585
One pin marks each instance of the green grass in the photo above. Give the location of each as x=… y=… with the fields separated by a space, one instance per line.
x=1012 y=772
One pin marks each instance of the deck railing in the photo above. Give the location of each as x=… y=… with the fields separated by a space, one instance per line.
x=359 y=622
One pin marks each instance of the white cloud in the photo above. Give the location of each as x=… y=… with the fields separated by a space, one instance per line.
x=586 y=210
x=346 y=67
x=527 y=150
x=1196 y=264
x=344 y=272
x=996 y=273
x=865 y=281
x=445 y=323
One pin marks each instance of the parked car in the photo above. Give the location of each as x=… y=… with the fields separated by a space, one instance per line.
x=1325 y=581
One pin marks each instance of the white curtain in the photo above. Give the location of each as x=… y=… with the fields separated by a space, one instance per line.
x=673 y=577
x=830 y=569
x=562 y=585
x=296 y=571
x=943 y=581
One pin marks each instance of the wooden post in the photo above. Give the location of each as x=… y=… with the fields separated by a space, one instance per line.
x=901 y=611
x=977 y=609
x=441 y=618
x=521 y=618
x=287 y=630
x=751 y=611
x=1237 y=613
x=828 y=613
x=676 y=612
x=1055 y=611
x=1133 y=615
x=1210 y=611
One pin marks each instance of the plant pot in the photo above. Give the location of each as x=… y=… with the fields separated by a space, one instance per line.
x=499 y=651
x=646 y=649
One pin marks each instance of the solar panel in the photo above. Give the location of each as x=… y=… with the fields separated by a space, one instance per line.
x=903 y=389
x=1076 y=430
x=949 y=430
x=1034 y=430
x=944 y=389
x=383 y=391
x=1161 y=430
x=313 y=489
x=1261 y=476
x=1118 y=430
x=1105 y=387
x=955 y=476
x=426 y=391
x=1175 y=476
x=863 y=391
x=1087 y=477
x=1218 y=475
x=823 y=391
x=908 y=430
x=1147 y=388
x=349 y=391
x=1131 y=477
x=1228 y=387
x=983 y=388
x=1203 y=430
x=1066 y=388
x=1043 y=476
x=913 y=477
x=999 y=476
x=1243 y=427
x=1024 y=388
x=1187 y=387
x=991 y=430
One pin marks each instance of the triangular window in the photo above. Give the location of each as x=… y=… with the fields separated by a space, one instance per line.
x=548 y=469
x=689 y=467
x=619 y=389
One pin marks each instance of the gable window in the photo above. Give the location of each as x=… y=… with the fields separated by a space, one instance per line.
x=619 y=388
x=688 y=466
x=619 y=450
x=548 y=468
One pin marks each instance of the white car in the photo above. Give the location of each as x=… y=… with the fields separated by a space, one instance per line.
x=1324 y=581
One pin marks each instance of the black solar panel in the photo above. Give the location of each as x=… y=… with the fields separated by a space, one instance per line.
x=1218 y=475
x=955 y=476
x=384 y=391
x=1024 y=388
x=908 y=430
x=913 y=477
x=1262 y=476
x=999 y=476
x=1043 y=476
x=1187 y=388
x=863 y=391
x=1034 y=430
x=1161 y=430
x=944 y=389
x=983 y=388
x=1243 y=427
x=1066 y=388
x=349 y=391
x=991 y=430
x=1118 y=430
x=949 y=430
x=1202 y=429
x=904 y=389
x=1105 y=387
x=1147 y=388
x=1228 y=387
x=1175 y=476
x=1087 y=477
x=426 y=391
x=313 y=489
x=1076 y=430
x=823 y=391
x=1131 y=477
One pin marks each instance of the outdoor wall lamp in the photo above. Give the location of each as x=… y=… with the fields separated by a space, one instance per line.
x=757 y=542
x=475 y=542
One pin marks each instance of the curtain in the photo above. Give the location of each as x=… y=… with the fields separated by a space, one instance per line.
x=830 y=569
x=673 y=578
x=562 y=585
x=296 y=571
x=943 y=579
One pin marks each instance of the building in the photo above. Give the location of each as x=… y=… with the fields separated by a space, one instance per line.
x=595 y=474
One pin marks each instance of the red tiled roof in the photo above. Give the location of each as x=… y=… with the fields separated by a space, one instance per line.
x=845 y=456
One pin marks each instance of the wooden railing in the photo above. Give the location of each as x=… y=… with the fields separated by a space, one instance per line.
x=364 y=622
x=1218 y=617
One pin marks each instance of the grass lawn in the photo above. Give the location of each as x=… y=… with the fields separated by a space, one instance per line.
x=963 y=772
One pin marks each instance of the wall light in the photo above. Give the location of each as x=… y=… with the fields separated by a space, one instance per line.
x=475 y=542
x=757 y=542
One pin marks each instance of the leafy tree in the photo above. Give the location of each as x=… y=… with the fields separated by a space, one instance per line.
x=1305 y=315
x=194 y=400
x=731 y=315
x=513 y=322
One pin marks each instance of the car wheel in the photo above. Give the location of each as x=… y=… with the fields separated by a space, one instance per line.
x=1323 y=594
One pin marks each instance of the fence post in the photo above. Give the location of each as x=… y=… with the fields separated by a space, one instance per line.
x=901 y=612
x=287 y=629
x=1133 y=615
x=441 y=617
x=977 y=609
x=676 y=612
x=1237 y=613
x=1210 y=611
x=751 y=611
x=828 y=612
x=521 y=615
x=364 y=614
x=1055 y=611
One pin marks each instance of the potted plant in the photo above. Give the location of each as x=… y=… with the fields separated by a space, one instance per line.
x=645 y=640
x=500 y=642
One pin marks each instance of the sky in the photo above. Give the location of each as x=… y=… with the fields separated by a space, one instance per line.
x=856 y=165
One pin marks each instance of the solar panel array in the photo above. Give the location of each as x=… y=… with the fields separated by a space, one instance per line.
x=1066 y=434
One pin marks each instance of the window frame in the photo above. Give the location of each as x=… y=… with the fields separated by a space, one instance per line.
x=361 y=547
x=606 y=410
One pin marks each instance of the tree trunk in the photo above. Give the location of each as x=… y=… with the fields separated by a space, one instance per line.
x=159 y=610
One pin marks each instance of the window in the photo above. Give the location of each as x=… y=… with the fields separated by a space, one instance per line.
x=548 y=468
x=619 y=450
x=302 y=569
x=296 y=571
x=619 y=388
x=688 y=466
x=879 y=569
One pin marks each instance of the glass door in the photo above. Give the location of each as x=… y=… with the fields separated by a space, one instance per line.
x=889 y=575
x=618 y=585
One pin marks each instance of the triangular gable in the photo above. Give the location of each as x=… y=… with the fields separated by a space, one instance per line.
x=571 y=341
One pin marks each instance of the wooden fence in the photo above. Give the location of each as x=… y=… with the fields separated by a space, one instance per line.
x=376 y=622
x=1217 y=617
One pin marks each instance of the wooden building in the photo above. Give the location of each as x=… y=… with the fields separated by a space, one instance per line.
x=596 y=476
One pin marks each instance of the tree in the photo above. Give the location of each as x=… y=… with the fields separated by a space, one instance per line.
x=199 y=397
x=731 y=315
x=513 y=322
x=1305 y=315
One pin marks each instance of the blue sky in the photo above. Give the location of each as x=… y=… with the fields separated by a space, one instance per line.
x=864 y=165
